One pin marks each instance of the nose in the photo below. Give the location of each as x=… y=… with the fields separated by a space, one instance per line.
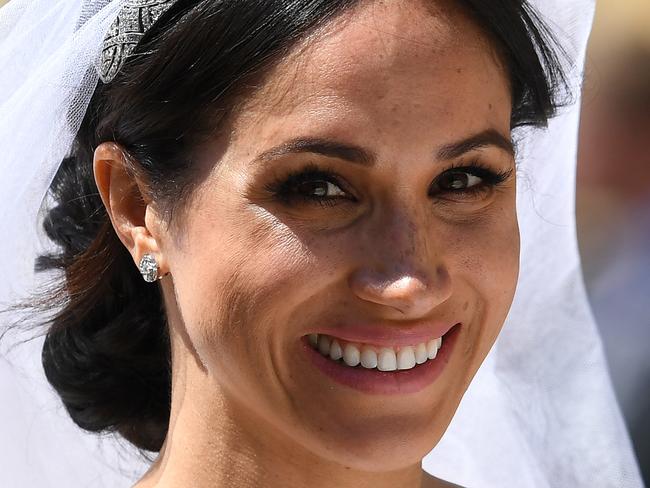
x=411 y=294
x=403 y=269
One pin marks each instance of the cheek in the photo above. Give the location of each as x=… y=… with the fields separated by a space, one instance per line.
x=242 y=273
x=493 y=257
x=489 y=268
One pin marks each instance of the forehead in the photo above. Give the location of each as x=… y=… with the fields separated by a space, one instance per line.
x=401 y=59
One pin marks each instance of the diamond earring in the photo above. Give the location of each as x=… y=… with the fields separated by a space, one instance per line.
x=149 y=268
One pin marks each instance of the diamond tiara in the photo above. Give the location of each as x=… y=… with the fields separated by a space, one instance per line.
x=132 y=22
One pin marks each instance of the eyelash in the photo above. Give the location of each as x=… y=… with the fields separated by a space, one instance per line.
x=283 y=189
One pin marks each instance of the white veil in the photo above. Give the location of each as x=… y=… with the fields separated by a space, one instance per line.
x=540 y=412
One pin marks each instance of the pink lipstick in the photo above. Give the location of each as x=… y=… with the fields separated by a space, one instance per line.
x=377 y=382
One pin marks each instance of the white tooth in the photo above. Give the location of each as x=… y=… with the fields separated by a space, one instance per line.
x=439 y=342
x=421 y=353
x=324 y=345
x=368 y=358
x=351 y=355
x=386 y=360
x=432 y=348
x=336 y=352
x=313 y=339
x=405 y=358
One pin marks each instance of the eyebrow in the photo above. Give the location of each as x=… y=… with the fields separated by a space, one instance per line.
x=489 y=137
x=365 y=157
x=323 y=147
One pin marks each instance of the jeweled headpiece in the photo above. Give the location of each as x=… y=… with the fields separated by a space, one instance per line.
x=133 y=21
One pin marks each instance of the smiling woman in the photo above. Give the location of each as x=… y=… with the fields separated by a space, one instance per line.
x=324 y=194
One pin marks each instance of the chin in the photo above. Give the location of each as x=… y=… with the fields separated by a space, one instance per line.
x=387 y=444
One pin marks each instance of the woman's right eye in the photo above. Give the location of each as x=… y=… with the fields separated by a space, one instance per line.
x=319 y=189
x=309 y=185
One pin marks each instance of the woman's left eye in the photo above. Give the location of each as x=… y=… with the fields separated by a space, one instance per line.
x=458 y=180
x=467 y=181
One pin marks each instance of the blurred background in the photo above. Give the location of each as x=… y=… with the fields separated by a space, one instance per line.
x=613 y=204
x=613 y=207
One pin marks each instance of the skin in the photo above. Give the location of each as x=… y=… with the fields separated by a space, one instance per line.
x=250 y=275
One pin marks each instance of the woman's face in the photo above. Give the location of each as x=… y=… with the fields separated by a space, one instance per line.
x=376 y=231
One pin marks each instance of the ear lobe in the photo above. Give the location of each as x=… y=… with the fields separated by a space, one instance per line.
x=123 y=199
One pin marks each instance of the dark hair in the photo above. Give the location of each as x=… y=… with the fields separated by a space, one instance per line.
x=107 y=350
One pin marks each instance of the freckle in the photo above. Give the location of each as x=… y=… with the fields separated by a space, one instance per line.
x=440 y=270
x=459 y=70
x=465 y=305
x=490 y=105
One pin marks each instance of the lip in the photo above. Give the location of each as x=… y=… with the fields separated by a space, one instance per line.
x=386 y=336
x=375 y=382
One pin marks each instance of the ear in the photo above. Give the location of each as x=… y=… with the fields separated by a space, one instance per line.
x=134 y=219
